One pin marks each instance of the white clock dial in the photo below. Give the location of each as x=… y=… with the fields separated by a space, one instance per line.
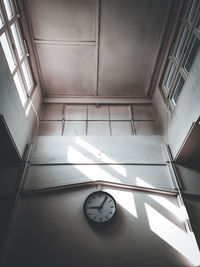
x=99 y=207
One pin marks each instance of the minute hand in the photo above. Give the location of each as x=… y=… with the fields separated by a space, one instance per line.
x=101 y=206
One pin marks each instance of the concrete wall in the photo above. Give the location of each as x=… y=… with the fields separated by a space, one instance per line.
x=20 y=125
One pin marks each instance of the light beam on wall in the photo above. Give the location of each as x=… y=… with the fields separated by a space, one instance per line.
x=93 y=172
x=185 y=243
x=124 y=199
x=179 y=212
x=100 y=155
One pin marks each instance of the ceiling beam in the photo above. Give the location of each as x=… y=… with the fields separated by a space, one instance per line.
x=96 y=100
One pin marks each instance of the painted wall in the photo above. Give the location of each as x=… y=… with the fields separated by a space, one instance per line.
x=20 y=125
x=50 y=228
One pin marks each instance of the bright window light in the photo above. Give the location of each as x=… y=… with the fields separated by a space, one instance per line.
x=17 y=40
x=7 y=51
x=181 y=43
x=1 y=20
x=20 y=88
x=27 y=75
x=9 y=8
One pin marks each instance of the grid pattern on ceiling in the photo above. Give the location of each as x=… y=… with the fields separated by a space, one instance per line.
x=103 y=120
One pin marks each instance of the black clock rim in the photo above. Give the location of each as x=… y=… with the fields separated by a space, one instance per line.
x=96 y=192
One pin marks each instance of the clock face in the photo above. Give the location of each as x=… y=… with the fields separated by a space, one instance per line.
x=99 y=207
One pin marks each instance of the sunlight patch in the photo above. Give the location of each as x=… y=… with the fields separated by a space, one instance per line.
x=184 y=243
x=99 y=155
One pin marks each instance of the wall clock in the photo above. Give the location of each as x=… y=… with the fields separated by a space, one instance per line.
x=99 y=207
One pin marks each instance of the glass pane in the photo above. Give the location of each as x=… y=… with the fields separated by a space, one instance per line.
x=191 y=55
x=20 y=88
x=198 y=24
x=178 y=88
x=9 y=8
x=170 y=76
x=181 y=43
x=1 y=19
x=17 y=40
x=191 y=11
x=27 y=75
x=7 y=51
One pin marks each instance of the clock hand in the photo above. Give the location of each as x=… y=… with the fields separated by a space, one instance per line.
x=93 y=207
x=101 y=206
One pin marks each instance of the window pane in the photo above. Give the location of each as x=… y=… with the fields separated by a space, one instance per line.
x=191 y=11
x=7 y=51
x=17 y=39
x=27 y=75
x=181 y=43
x=170 y=76
x=198 y=24
x=1 y=19
x=191 y=55
x=20 y=88
x=9 y=8
x=178 y=88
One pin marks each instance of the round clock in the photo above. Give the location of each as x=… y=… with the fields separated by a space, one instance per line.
x=99 y=207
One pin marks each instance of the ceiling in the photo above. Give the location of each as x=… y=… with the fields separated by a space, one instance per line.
x=105 y=48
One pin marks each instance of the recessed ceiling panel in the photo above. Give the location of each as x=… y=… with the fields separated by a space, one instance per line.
x=67 y=69
x=97 y=47
x=129 y=39
x=62 y=19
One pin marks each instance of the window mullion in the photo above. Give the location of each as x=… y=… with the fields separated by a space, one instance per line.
x=15 y=70
x=3 y=29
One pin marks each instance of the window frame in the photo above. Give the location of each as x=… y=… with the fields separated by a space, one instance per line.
x=193 y=32
x=13 y=41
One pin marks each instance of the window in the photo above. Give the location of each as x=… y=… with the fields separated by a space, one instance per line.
x=178 y=88
x=189 y=58
x=182 y=53
x=13 y=46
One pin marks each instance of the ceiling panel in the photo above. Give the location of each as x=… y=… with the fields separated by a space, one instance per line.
x=129 y=37
x=96 y=47
x=67 y=69
x=62 y=19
